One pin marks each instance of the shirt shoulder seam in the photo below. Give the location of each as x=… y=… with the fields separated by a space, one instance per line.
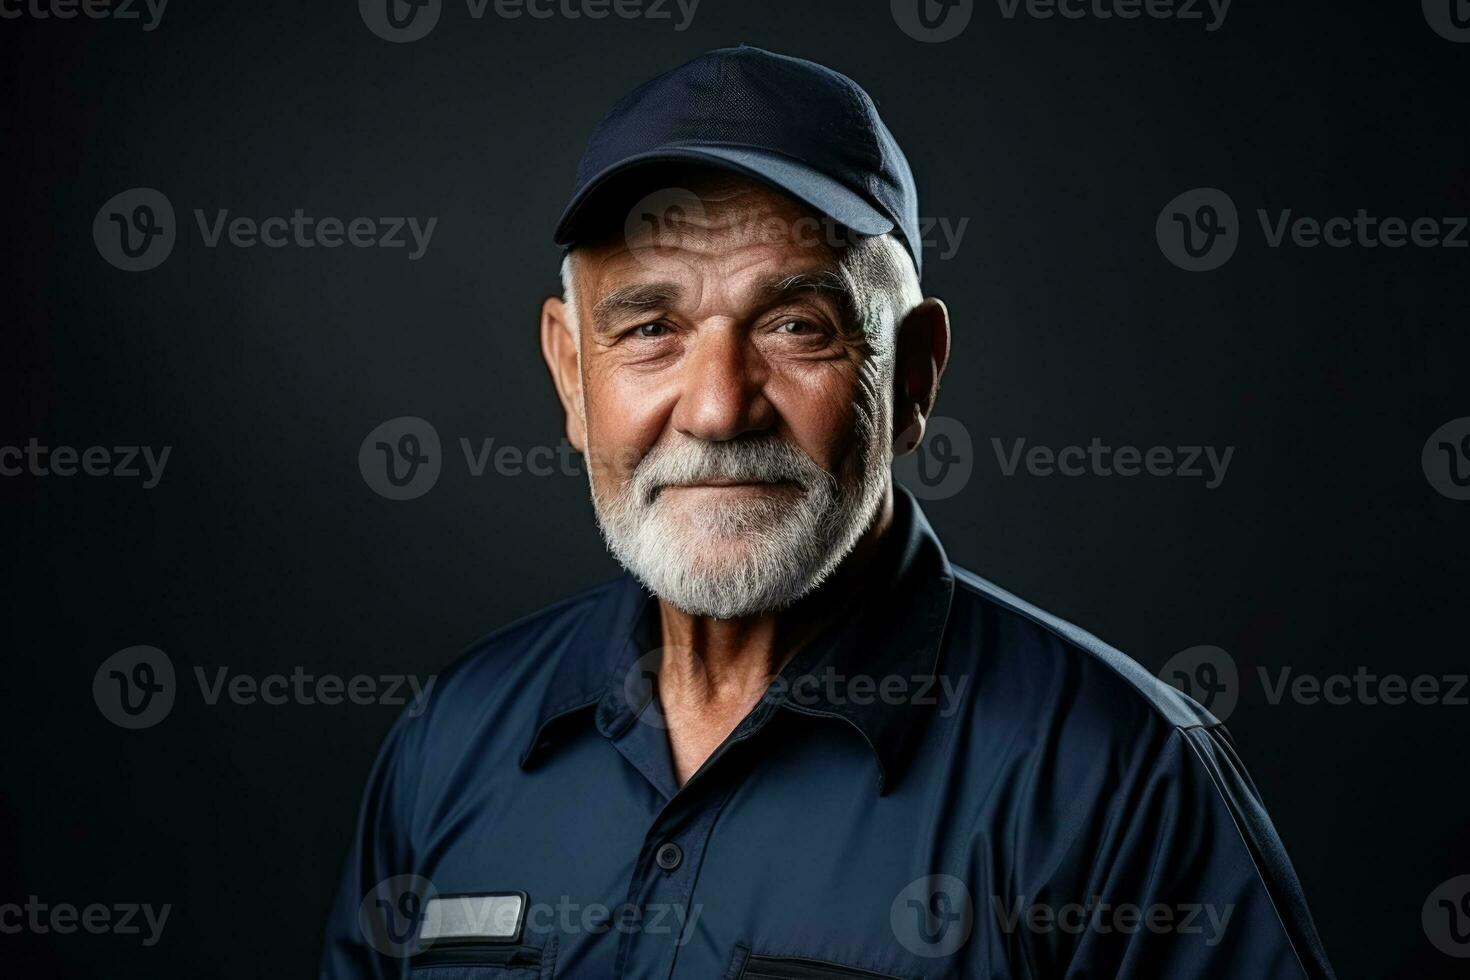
x=1221 y=799
x=1163 y=700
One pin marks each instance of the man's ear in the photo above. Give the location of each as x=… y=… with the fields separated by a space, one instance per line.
x=559 y=347
x=921 y=352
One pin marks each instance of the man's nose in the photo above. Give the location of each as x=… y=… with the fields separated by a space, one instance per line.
x=723 y=389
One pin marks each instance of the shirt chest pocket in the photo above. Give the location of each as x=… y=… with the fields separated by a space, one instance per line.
x=480 y=936
x=484 y=961
x=756 y=966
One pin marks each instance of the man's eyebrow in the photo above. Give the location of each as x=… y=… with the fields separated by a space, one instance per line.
x=635 y=298
x=825 y=283
x=646 y=297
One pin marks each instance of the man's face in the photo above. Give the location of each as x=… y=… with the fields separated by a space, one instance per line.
x=735 y=416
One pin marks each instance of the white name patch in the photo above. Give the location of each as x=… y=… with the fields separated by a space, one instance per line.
x=497 y=917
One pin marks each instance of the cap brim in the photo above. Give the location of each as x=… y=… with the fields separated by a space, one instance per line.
x=810 y=186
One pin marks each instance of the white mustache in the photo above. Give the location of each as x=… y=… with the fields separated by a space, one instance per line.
x=763 y=460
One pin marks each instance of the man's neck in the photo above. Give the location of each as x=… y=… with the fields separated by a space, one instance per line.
x=713 y=671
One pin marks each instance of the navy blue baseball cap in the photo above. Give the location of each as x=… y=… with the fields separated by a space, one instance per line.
x=794 y=124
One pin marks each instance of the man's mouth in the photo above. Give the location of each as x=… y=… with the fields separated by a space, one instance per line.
x=723 y=485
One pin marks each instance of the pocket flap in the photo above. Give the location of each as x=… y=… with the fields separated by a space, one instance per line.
x=759 y=966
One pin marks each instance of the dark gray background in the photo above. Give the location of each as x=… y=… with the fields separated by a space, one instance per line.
x=263 y=548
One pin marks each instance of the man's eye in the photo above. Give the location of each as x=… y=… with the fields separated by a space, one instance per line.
x=796 y=327
x=654 y=329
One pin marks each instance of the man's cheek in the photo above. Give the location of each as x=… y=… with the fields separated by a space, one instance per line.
x=611 y=463
x=612 y=452
x=632 y=409
x=823 y=413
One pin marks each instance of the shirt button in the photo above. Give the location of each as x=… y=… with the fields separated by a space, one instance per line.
x=669 y=856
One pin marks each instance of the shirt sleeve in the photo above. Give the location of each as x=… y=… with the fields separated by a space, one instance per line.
x=1191 y=880
x=375 y=915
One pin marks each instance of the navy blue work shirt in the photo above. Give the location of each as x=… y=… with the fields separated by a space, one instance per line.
x=951 y=784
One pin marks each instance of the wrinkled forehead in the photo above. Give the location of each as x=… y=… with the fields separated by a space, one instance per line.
x=714 y=238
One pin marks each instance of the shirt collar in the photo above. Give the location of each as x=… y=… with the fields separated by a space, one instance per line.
x=896 y=639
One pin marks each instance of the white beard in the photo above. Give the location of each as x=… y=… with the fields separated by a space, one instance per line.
x=735 y=557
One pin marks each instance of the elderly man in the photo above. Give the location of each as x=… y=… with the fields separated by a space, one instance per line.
x=793 y=741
